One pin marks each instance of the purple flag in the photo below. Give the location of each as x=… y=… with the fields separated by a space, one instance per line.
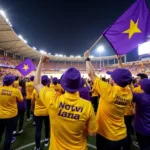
x=26 y=67
x=131 y=29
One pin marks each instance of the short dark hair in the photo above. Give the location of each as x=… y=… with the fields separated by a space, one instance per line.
x=142 y=75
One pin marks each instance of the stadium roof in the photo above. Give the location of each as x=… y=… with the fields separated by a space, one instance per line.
x=11 y=42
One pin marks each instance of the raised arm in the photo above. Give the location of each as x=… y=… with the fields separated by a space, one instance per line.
x=37 y=79
x=89 y=66
x=119 y=61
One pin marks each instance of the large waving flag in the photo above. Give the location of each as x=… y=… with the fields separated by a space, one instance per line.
x=26 y=67
x=131 y=29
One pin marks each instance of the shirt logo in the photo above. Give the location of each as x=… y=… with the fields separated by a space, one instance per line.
x=121 y=101
x=69 y=111
x=6 y=92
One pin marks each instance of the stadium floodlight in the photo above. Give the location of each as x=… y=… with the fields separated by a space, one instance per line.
x=20 y=36
x=7 y=20
x=60 y=55
x=71 y=56
x=25 y=41
x=42 y=52
x=3 y=14
x=34 y=48
x=78 y=56
x=100 y=48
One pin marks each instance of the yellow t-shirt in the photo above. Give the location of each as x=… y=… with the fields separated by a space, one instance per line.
x=138 y=90
x=70 y=116
x=94 y=92
x=29 y=90
x=16 y=84
x=40 y=109
x=8 y=101
x=130 y=109
x=111 y=110
x=57 y=88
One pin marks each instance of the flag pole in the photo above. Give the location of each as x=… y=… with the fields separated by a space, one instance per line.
x=96 y=42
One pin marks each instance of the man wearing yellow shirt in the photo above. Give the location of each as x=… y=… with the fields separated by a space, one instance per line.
x=8 y=109
x=41 y=114
x=72 y=117
x=94 y=98
x=29 y=90
x=112 y=133
x=56 y=85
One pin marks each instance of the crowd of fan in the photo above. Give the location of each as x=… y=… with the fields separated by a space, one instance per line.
x=67 y=107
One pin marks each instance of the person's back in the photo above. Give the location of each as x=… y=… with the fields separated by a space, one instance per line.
x=41 y=115
x=8 y=109
x=73 y=114
x=142 y=116
x=69 y=116
x=8 y=101
x=39 y=109
x=29 y=89
x=111 y=110
x=113 y=103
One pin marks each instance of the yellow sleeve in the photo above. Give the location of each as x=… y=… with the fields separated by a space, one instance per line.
x=137 y=90
x=104 y=89
x=33 y=95
x=92 y=124
x=51 y=85
x=19 y=95
x=47 y=95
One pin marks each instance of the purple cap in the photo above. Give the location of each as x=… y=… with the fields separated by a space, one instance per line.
x=71 y=80
x=32 y=78
x=45 y=80
x=8 y=80
x=55 y=81
x=121 y=77
x=145 y=85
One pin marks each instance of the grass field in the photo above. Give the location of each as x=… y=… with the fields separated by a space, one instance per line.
x=26 y=140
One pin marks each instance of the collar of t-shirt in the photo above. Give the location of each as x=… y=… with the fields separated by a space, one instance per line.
x=73 y=96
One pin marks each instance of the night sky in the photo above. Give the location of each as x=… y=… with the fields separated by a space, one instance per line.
x=65 y=26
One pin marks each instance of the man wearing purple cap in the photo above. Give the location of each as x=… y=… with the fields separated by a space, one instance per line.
x=29 y=90
x=72 y=117
x=85 y=91
x=41 y=115
x=142 y=115
x=8 y=109
x=112 y=133
x=57 y=87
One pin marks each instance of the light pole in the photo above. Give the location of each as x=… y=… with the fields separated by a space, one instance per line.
x=100 y=49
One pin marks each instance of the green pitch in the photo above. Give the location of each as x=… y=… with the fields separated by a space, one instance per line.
x=26 y=140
